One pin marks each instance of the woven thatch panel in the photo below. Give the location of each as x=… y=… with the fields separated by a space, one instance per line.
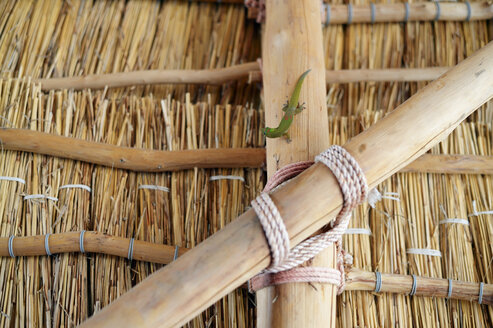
x=66 y=38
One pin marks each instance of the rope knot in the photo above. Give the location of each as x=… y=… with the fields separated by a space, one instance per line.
x=354 y=188
x=349 y=175
x=274 y=228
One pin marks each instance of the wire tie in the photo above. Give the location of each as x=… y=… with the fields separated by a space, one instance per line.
x=11 y=246
x=414 y=287
x=449 y=293
x=437 y=17
x=468 y=17
x=226 y=177
x=349 y=13
x=154 y=187
x=47 y=244
x=406 y=16
x=480 y=298
x=81 y=241
x=131 y=249
x=372 y=10
x=378 y=284
x=79 y=186
x=327 y=14
x=4 y=178
x=176 y=253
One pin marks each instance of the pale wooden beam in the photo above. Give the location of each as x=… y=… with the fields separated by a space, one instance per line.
x=127 y=158
x=291 y=44
x=175 y=294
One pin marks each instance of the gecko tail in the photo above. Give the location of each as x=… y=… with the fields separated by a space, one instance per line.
x=293 y=102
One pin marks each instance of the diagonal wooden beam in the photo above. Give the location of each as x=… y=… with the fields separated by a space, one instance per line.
x=175 y=294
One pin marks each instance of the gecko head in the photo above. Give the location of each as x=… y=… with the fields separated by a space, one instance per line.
x=265 y=131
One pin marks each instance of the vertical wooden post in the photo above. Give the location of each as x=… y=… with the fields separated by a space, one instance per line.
x=292 y=43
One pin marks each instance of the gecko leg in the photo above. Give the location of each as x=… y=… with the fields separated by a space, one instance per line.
x=299 y=108
x=286 y=105
x=288 y=139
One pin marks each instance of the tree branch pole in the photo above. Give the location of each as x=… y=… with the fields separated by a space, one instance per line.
x=133 y=159
x=373 y=75
x=161 y=161
x=426 y=286
x=123 y=79
x=233 y=73
x=93 y=242
x=96 y=242
x=291 y=44
x=175 y=294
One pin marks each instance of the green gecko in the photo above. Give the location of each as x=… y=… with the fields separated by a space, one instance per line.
x=290 y=109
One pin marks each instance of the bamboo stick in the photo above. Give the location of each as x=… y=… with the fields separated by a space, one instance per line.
x=426 y=286
x=396 y=12
x=94 y=242
x=285 y=61
x=381 y=150
x=372 y=75
x=419 y=228
x=129 y=158
x=209 y=76
x=229 y=74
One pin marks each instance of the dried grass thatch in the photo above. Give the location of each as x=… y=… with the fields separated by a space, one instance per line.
x=67 y=38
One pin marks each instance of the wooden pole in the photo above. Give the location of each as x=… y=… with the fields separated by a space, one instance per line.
x=290 y=47
x=150 y=160
x=420 y=11
x=94 y=242
x=127 y=158
x=426 y=286
x=175 y=294
x=208 y=76
x=373 y=75
x=229 y=74
x=396 y=12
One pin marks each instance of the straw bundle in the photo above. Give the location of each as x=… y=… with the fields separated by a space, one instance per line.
x=443 y=49
x=387 y=236
x=415 y=45
x=11 y=204
x=120 y=204
x=478 y=192
x=411 y=215
x=77 y=38
x=456 y=240
x=57 y=38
